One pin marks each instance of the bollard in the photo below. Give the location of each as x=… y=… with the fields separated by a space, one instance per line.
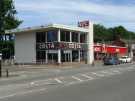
x=7 y=73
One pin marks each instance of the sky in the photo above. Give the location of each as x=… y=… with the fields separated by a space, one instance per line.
x=109 y=13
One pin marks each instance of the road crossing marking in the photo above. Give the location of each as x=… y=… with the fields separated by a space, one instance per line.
x=59 y=81
x=107 y=72
x=76 y=78
x=22 y=93
x=97 y=74
x=116 y=71
x=90 y=78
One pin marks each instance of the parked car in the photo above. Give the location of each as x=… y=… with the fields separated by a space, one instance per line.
x=111 y=61
x=125 y=59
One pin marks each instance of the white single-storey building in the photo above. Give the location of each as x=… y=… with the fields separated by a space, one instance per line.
x=54 y=43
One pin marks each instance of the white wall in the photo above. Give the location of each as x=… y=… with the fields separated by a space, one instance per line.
x=25 y=49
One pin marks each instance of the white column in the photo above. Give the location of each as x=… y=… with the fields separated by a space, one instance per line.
x=59 y=51
x=71 y=56
x=70 y=36
x=90 y=50
x=78 y=55
x=46 y=56
x=78 y=50
x=71 y=50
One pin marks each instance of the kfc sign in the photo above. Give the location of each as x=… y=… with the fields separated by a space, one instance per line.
x=84 y=24
x=97 y=49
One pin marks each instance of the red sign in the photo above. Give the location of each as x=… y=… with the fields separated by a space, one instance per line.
x=121 y=50
x=84 y=24
x=110 y=49
x=97 y=48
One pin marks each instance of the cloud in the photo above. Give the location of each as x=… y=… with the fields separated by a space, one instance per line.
x=78 y=9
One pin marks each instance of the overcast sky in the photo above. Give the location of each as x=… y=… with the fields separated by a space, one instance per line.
x=106 y=12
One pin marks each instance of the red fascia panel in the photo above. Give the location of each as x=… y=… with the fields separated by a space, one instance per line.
x=110 y=49
x=121 y=50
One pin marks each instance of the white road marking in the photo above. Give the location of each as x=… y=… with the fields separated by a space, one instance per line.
x=59 y=81
x=116 y=71
x=76 y=78
x=131 y=68
x=90 y=78
x=106 y=72
x=32 y=83
x=101 y=75
x=22 y=93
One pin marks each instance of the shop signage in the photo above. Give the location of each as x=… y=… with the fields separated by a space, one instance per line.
x=97 y=48
x=110 y=49
x=84 y=24
x=60 y=45
x=45 y=46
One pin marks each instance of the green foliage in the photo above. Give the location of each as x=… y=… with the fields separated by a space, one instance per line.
x=102 y=33
x=7 y=49
x=7 y=16
x=7 y=21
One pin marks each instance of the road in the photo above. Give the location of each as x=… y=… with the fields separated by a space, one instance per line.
x=112 y=84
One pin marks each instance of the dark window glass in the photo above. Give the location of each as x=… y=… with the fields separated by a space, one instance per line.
x=74 y=37
x=51 y=36
x=82 y=38
x=65 y=36
x=62 y=35
x=41 y=55
x=41 y=37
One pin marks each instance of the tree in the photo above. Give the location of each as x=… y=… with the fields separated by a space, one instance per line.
x=101 y=33
x=119 y=31
x=7 y=21
x=7 y=16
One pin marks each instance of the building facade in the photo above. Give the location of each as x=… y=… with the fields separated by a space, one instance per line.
x=54 y=44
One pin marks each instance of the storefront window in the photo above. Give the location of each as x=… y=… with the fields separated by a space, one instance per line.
x=52 y=36
x=75 y=55
x=41 y=37
x=65 y=36
x=40 y=56
x=82 y=38
x=74 y=37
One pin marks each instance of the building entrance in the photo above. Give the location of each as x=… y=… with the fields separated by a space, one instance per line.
x=52 y=56
x=66 y=55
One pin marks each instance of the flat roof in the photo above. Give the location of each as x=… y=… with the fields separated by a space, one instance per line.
x=43 y=27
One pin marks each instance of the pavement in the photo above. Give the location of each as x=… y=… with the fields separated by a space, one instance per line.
x=111 y=83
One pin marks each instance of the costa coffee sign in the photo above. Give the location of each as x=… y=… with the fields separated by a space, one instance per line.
x=45 y=46
x=60 y=45
x=84 y=24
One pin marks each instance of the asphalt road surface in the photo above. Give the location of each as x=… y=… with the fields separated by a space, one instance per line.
x=112 y=84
